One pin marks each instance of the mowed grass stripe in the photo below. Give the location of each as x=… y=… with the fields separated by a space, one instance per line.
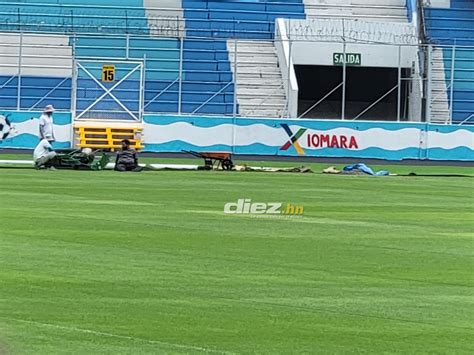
x=375 y=265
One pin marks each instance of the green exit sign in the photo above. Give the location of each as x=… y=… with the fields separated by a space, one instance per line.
x=351 y=59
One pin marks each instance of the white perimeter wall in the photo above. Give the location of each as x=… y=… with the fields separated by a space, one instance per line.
x=315 y=41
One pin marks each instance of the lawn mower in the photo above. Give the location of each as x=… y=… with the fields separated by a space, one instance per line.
x=78 y=159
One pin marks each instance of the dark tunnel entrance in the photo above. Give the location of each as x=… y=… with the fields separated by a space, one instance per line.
x=364 y=86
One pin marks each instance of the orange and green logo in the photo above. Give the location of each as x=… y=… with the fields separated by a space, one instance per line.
x=293 y=141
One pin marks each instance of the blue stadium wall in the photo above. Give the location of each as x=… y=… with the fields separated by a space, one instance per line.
x=275 y=137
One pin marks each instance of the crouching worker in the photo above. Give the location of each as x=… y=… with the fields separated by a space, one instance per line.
x=127 y=158
x=44 y=155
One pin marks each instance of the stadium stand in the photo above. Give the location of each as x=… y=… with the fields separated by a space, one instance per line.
x=366 y=10
x=207 y=79
x=46 y=60
x=206 y=70
x=206 y=73
x=46 y=71
x=205 y=34
x=248 y=26
x=103 y=16
x=238 y=19
x=452 y=26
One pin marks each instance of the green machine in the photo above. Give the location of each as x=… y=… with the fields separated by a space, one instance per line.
x=80 y=159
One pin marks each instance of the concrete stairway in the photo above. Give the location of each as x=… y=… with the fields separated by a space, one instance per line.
x=165 y=18
x=260 y=90
x=439 y=88
x=367 y=10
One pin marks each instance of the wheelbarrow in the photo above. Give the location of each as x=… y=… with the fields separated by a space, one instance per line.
x=214 y=160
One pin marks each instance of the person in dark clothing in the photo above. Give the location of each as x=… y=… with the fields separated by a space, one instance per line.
x=127 y=158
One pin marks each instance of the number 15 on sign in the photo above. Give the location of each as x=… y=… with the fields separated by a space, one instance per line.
x=108 y=73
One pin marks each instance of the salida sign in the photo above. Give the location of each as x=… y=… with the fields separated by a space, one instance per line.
x=317 y=140
x=351 y=59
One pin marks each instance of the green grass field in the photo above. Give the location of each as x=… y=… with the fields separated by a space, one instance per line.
x=103 y=262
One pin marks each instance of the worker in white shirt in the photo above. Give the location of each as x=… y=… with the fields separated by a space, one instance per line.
x=46 y=124
x=44 y=155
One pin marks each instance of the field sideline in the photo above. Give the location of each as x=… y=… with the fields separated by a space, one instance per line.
x=103 y=262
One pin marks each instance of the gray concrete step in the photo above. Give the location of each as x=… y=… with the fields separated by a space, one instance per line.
x=260 y=90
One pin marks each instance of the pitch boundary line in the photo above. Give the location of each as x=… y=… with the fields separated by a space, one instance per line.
x=126 y=337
